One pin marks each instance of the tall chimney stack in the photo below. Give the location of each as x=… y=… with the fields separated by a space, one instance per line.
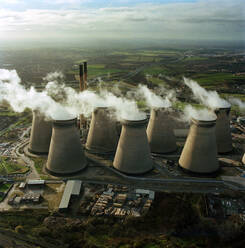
x=102 y=135
x=66 y=155
x=81 y=80
x=85 y=76
x=160 y=132
x=223 y=132
x=40 y=134
x=133 y=150
x=199 y=154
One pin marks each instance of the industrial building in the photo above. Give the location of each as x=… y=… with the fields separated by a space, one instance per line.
x=160 y=131
x=72 y=189
x=66 y=155
x=41 y=132
x=223 y=132
x=102 y=136
x=199 y=154
x=133 y=150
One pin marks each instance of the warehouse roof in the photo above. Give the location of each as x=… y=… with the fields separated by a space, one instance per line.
x=73 y=187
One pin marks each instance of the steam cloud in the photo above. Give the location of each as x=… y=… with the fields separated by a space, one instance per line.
x=237 y=102
x=210 y=99
x=70 y=105
x=198 y=114
x=20 y=98
x=153 y=100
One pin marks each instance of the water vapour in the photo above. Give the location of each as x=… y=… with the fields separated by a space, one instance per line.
x=162 y=99
x=153 y=100
x=20 y=98
x=237 y=102
x=54 y=76
x=210 y=99
x=87 y=101
x=198 y=114
x=70 y=105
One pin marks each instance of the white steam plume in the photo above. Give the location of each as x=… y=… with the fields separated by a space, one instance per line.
x=20 y=98
x=237 y=102
x=210 y=99
x=86 y=101
x=198 y=114
x=153 y=100
x=73 y=103
x=54 y=76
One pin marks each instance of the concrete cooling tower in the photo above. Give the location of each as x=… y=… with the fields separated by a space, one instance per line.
x=223 y=132
x=66 y=155
x=199 y=154
x=102 y=135
x=160 y=132
x=41 y=131
x=243 y=159
x=133 y=151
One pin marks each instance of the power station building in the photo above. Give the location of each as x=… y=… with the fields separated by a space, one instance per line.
x=41 y=132
x=223 y=131
x=160 y=131
x=199 y=154
x=66 y=155
x=102 y=136
x=133 y=150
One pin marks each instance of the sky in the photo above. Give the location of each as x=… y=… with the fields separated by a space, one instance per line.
x=87 y=20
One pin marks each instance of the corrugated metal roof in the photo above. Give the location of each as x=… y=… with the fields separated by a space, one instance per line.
x=76 y=187
x=73 y=187
x=33 y=182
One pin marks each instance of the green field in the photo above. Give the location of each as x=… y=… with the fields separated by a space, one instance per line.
x=9 y=167
x=97 y=70
x=194 y=58
x=4 y=187
x=157 y=81
x=216 y=78
x=156 y=70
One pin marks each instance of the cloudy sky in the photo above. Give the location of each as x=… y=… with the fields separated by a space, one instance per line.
x=61 y=20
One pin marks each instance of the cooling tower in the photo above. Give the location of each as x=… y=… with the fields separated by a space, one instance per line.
x=160 y=132
x=133 y=150
x=223 y=132
x=66 y=155
x=199 y=154
x=41 y=131
x=102 y=136
x=243 y=159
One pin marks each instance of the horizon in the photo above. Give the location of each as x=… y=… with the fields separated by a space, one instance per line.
x=136 y=23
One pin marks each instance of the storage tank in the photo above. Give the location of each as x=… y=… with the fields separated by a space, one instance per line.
x=133 y=150
x=66 y=155
x=199 y=154
x=102 y=136
x=223 y=132
x=41 y=132
x=160 y=131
